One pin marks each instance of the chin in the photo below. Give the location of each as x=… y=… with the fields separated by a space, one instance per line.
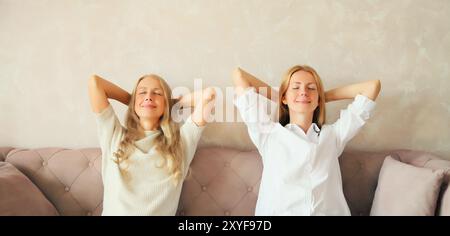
x=146 y=115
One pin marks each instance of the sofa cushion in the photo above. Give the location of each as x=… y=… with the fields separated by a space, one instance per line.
x=404 y=189
x=19 y=196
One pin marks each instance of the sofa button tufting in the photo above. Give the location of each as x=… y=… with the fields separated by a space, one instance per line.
x=203 y=188
x=66 y=189
x=227 y=164
x=227 y=213
x=90 y=164
x=249 y=189
x=89 y=213
x=44 y=163
x=181 y=213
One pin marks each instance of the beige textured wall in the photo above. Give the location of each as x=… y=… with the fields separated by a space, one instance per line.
x=48 y=49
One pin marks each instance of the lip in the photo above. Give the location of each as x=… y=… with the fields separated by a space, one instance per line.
x=303 y=102
x=150 y=106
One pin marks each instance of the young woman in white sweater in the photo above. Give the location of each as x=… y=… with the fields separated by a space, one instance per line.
x=145 y=162
x=301 y=174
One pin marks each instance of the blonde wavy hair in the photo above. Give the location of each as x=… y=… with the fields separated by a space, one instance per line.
x=319 y=112
x=168 y=143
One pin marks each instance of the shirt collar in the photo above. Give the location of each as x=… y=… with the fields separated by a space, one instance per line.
x=146 y=143
x=151 y=132
x=312 y=134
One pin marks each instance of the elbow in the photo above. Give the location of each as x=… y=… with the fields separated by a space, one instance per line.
x=93 y=81
x=237 y=76
x=240 y=78
x=377 y=86
x=237 y=71
x=375 y=89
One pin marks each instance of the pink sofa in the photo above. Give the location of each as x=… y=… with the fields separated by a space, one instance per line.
x=223 y=181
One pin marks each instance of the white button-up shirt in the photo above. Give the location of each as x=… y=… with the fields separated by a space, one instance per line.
x=301 y=174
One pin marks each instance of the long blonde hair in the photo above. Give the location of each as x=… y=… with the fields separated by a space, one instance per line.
x=319 y=112
x=168 y=142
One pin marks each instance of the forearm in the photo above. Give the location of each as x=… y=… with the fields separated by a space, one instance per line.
x=203 y=103
x=195 y=98
x=112 y=91
x=370 y=89
x=244 y=80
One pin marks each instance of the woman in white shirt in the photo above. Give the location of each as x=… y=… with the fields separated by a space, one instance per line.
x=145 y=162
x=301 y=174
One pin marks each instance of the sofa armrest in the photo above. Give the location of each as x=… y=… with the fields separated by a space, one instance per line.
x=4 y=152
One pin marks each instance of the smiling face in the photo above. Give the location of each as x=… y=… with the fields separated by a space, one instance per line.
x=302 y=95
x=150 y=99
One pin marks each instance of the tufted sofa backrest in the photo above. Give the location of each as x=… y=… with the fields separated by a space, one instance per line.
x=222 y=182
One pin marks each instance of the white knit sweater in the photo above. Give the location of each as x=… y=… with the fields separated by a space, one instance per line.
x=146 y=189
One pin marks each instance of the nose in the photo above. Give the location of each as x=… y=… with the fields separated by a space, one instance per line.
x=303 y=91
x=148 y=98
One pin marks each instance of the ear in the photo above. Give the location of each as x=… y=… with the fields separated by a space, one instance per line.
x=283 y=100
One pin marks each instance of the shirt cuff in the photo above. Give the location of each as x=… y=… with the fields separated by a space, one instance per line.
x=362 y=106
x=192 y=124
x=246 y=99
x=105 y=114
